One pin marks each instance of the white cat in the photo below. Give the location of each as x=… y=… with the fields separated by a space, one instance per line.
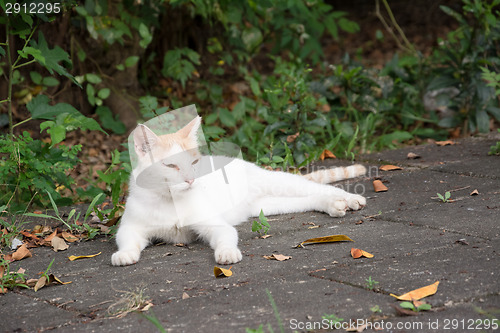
x=170 y=199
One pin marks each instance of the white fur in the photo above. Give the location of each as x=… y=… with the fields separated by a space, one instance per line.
x=163 y=204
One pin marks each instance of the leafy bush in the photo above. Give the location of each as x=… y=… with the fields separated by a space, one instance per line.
x=459 y=62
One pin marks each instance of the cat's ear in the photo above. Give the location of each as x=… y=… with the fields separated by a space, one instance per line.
x=191 y=129
x=144 y=140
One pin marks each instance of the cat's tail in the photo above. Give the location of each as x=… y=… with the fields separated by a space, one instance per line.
x=325 y=176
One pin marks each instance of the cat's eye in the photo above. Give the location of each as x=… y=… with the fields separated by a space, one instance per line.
x=173 y=166
x=195 y=161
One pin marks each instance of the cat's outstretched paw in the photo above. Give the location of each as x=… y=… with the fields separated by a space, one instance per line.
x=124 y=258
x=228 y=255
x=336 y=207
x=356 y=202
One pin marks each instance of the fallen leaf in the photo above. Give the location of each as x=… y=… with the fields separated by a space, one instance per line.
x=358 y=253
x=326 y=239
x=185 y=295
x=378 y=186
x=412 y=156
x=265 y=236
x=58 y=244
x=222 y=272
x=31 y=282
x=48 y=239
x=291 y=138
x=279 y=257
x=390 y=167
x=446 y=143
x=55 y=279
x=21 y=253
x=69 y=237
x=29 y=235
x=475 y=192
x=419 y=293
x=72 y=258
x=40 y=283
x=326 y=154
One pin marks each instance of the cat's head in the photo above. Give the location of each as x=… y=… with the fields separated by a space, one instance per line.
x=168 y=160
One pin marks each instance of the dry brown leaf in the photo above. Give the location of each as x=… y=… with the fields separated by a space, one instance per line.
x=291 y=138
x=475 y=192
x=412 y=156
x=326 y=239
x=326 y=154
x=390 y=167
x=73 y=258
x=185 y=295
x=419 y=293
x=29 y=235
x=21 y=253
x=31 y=282
x=58 y=244
x=446 y=143
x=42 y=281
x=55 y=279
x=358 y=253
x=279 y=257
x=48 y=239
x=265 y=236
x=404 y=312
x=222 y=272
x=378 y=186
x=69 y=237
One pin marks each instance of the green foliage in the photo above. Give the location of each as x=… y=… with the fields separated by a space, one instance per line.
x=9 y=279
x=460 y=61
x=495 y=150
x=411 y=306
x=28 y=167
x=332 y=319
x=179 y=64
x=446 y=197
x=370 y=283
x=261 y=226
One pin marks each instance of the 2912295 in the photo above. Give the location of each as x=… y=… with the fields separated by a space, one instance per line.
x=33 y=8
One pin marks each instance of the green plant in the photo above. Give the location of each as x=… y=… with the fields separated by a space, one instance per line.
x=9 y=279
x=179 y=64
x=495 y=150
x=376 y=309
x=411 y=306
x=458 y=66
x=261 y=226
x=332 y=319
x=446 y=197
x=31 y=166
x=370 y=283
x=154 y=320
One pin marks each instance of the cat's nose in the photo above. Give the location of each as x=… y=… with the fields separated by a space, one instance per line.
x=190 y=181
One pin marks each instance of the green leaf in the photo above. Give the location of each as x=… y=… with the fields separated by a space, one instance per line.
x=40 y=109
x=93 y=78
x=50 y=58
x=251 y=38
x=36 y=77
x=104 y=93
x=407 y=305
x=131 y=61
x=226 y=117
x=57 y=133
x=424 y=307
x=482 y=121
x=447 y=195
x=110 y=122
x=50 y=81
x=441 y=197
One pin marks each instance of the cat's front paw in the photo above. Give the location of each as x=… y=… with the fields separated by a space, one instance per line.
x=356 y=202
x=228 y=255
x=336 y=207
x=124 y=258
